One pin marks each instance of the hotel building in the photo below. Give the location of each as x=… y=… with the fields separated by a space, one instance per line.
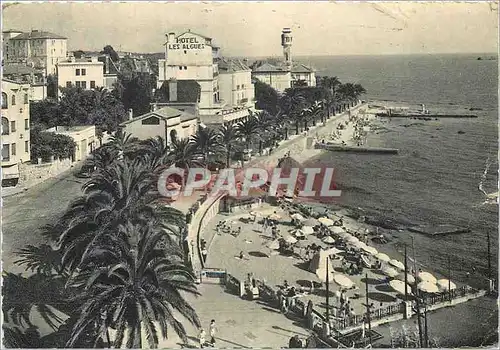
x=39 y=49
x=15 y=129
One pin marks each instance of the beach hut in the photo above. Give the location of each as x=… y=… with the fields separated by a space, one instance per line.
x=427 y=277
x=445 y=284
x=399 y=286
x=326 y=221
x=343 y=281
x=328 y=240
x=397 y=264
x=428 y=287
x=383 y=257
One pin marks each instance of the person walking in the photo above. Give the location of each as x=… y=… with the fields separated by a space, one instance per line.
x=213 y=330
x=202 y=338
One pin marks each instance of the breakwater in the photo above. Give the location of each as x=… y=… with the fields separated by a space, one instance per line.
x=352 y=149
x=426 y=116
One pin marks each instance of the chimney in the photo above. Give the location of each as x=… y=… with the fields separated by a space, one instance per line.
x=172 y=90
x=130 y=114
x=154 y=107
x=93 y=59
x=107 y=64
x=171 y=37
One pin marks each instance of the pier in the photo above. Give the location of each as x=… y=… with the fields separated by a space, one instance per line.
x=354 y=149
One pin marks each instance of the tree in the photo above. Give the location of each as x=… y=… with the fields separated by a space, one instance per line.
x=183 y=154
x=45 y=113
x=52 y=86
x=45 y=145
x=267 y=97
x=136 y=91
x=206 y=141
x=248 y=131
x=291 y=104
x=108 y=50
x=228 y=136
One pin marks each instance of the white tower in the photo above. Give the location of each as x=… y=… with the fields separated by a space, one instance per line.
x=286 y=42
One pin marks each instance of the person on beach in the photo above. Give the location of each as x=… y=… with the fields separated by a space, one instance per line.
x=213 y=330
x=202 y=338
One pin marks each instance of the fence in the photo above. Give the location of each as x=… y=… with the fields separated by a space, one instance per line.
x=213 y=276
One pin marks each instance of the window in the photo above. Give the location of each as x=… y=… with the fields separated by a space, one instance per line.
x=13 y=100
x=13 y=126
x=5 y=153
x=84 y=71
x=92 y=84
x=185 y=67
x=77 y=84
x=237 y=87
x=180 y=67
x=173 y=134
x=242 y=86
x=4 y=100
x=13 y=149
x=84 y=84
x=151 y=121
x=26 y=124
x=5 y=126
x=26 y=99
x=26 y=146
x=78 y=71
x=68 y=84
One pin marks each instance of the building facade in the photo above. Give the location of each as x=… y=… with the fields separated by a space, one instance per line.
x=15 y=129
x=38 y=48
x=84 y=137
x=165 y=122
x=87 y=73
x=287 y=73
x=24 y=74
x=235 y=83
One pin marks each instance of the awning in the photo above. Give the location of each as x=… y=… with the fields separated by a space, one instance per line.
x=10 y=172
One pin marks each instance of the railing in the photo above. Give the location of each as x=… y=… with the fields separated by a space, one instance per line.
x=454 y=294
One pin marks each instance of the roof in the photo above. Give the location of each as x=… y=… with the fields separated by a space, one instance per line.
x=36 y=34
x=164 y=113
x=190 y=32
x=268 y=67
x=301 y=68
x=18 y=69
x=11 y=31
x=232 y=65
x=188 y=91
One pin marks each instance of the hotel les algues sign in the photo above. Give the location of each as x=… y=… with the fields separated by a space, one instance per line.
x=186 y=43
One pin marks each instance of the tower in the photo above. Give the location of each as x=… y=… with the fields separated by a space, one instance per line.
x=286 y=42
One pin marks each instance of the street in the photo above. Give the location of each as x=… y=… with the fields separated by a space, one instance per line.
x=24 y=214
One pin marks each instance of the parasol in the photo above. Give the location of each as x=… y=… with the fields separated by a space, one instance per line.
x=299 y=217
x=326 y=221
x=444 y=284
x=427 y=277
x=343 y=281
x=307 y=230
x=274 y=216
x=383 y=257
x=290 y=239
x=370 y=250
x=399 y=286
x=389 y=271
x=311 y=222
x=328 y=240
x=397 y=264
x=337 y=229
x=428 y=287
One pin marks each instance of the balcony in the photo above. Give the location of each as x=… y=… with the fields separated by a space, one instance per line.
x=243 y=101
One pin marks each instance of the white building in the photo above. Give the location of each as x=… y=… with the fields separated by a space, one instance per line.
x=15 y=129
x=38 y=48
x=287 y=73
x=166 y=122
x=235 y=83
x=21 y=73
x=194 y=57
x=84 y=137
x=87 y=73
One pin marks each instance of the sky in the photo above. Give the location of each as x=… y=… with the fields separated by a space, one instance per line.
x=254 y=28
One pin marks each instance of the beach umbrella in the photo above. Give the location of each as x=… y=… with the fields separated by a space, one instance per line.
x=383 y=257
x=399 y=286
x=444 y=284
x=428 y=287
x=370 y=250
x=255 y=213
x=290 y=239
x=321 y=274
x=410 y=278
x=427 y=277
x=337 y=230
x=389 y=271
x=326 y=221
x=311 y=222
x=353 y=240
x=397 y=264
x=328 y=240
x=299 y=217
x=274 y=245
x=332 y=251
x=343 y=281
x=360 y=245
x=307 y=230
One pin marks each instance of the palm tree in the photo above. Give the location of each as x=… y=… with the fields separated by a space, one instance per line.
x=125 y=144
x=228 y=136
x=184 y=154
x=267 y=126
x=136 y=291
x=43 y=259
x=358 y=91
x=207 y=142
x=291 y=104
x=248 y=131
x=331 y=85
x=154 y=151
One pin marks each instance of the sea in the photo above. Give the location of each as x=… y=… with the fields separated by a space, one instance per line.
x=435 y=178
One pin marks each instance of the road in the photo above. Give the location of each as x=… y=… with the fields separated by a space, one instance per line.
x=24 y=214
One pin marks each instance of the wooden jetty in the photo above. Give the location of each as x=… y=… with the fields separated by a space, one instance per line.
x=439 y=230
x=354 y=149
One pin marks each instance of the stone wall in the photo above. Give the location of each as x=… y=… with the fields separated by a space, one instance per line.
x=32 y=174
